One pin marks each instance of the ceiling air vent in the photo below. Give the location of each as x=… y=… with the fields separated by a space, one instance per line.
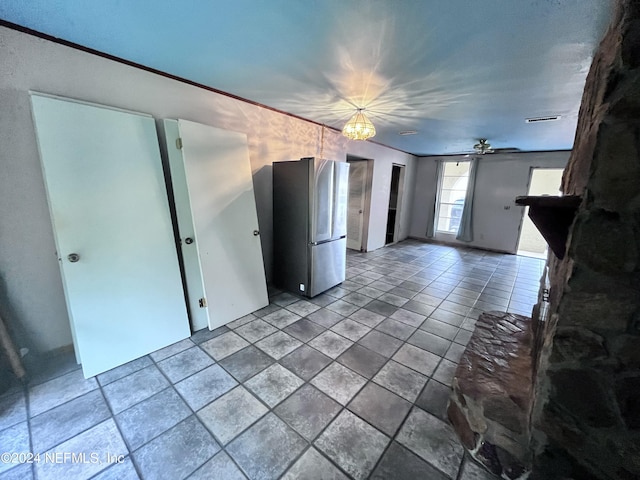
x=407 y=132
x=550 y=118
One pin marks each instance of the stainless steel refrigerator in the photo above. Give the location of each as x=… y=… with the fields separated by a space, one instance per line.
x=310 y=224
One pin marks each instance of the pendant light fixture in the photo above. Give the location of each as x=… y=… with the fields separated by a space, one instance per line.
x=359 y=127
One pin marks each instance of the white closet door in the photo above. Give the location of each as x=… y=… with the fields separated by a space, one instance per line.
x=198 y=310
x=356 y=205
x=223 y=211
x=111 y=221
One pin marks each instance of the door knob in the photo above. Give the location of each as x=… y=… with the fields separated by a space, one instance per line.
x=256 y=233
x=73 y=257
x=188 y=240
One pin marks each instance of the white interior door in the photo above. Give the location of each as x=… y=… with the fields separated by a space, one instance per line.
x=110 y=215
x=198 y=310
x=356 y=204
x=223 y=210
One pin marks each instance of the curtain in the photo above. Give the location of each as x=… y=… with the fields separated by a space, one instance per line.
x=465 y=232
x=431 y=225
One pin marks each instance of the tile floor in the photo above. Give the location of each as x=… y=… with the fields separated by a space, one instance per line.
x=350 y=384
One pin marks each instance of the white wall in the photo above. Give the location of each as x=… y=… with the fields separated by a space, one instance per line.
x=31 y=295
x=500 y=179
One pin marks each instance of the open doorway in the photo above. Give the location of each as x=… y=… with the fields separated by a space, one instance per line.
x=395 y=203
x=360 y=178
x=543 y=181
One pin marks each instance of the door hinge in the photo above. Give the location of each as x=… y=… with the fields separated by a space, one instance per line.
x=179 y=143
x=202 y=302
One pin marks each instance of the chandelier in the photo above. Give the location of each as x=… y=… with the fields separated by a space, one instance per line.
x=359 y=127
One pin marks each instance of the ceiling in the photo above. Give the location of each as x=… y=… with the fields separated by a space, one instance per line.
x=452 y=70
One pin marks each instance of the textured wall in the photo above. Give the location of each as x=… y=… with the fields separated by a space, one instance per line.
x=588 y=392
x=31 y=294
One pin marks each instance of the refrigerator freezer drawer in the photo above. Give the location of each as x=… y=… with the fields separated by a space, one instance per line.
x=328 y=264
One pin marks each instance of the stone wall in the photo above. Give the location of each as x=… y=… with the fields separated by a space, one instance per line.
x=587 y=409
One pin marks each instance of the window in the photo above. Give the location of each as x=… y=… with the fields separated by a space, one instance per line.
x=453 y=189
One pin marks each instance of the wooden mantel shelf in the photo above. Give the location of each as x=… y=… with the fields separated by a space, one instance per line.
x=553 y=217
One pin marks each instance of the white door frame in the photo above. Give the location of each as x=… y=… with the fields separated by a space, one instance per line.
x=366 y=207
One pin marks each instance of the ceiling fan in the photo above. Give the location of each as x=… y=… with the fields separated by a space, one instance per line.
x=483 y=146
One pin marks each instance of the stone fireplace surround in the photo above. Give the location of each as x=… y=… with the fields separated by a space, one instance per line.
x=561 y=394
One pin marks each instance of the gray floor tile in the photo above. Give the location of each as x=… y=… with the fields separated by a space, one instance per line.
x=445 y=372
x=357 y=298
x=325 y=317
x=238 y=322
x=403 y=292
x=463 y=337
x=272 y=307
x=255 y=330
x=231 y=414
x=371 y=292
x=435 y=399
x=433 y=440
x=119 y=471
x=454 y=353
x=124 y=370
x=398 y=463
x=420 y=308
x=367 y=317
x=362 y=360
x=447 y=317
x=177 y=347
x=313 y=466
x=304 y=330
x=205 y=334
x=338 y=292
x=382 y=285
x=274 y=384
x=305 y=362
x=13 y=409
x=410 y=318
x=205 y=386
x=330 y=343
x=322 y=300
x=380 y=343
x=396 y=329
x=246 y=363
x=351 y=329
x=454 y=307
x=14 y=439
x=342 y=308
x=285 y=298
x=352 y=444
x=224 y=345
x=439 y=328
x=64 y=421
x=19 y=472
x=184 y=364
x=178 y=452
x=281 y=318
x=149 y=418
x=339 y=382
x=266 y=449
x=411 y=286
x=220 y=466
x=392 y=299
x=134 y=388
x=430 y=300
x=383 y=308
x=278 y=345
x=58 y=391
x=381 y=408
x=401 y=380
x=430 y=342
x=102 y=440
x=308 y=411
x=419 y=360
x=303 y=308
